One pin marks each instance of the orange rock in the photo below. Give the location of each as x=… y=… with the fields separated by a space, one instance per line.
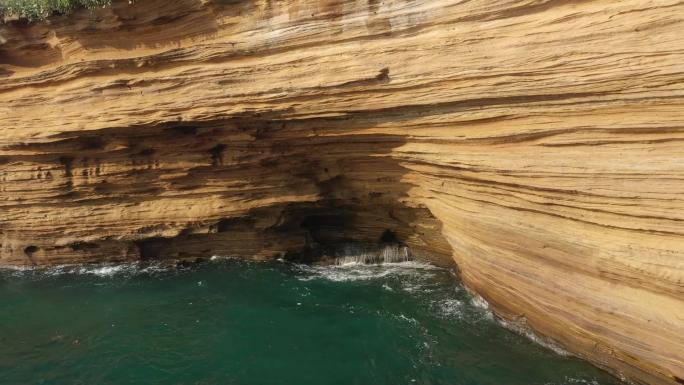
x=538 y=144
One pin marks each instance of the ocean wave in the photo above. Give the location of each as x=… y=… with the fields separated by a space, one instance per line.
x=581 y=381
x=219 y=258
x=481 y=304
x=577 y=381
x=450 y=307
x=362 y=272
x=521 y=328
x=102 y=270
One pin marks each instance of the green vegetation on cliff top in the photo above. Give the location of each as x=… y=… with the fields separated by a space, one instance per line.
x=38 y=9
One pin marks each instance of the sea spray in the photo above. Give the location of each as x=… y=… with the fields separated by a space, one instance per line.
x=519 y=326
x=371 y=254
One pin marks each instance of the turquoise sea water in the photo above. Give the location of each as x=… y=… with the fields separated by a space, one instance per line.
x=233 y=322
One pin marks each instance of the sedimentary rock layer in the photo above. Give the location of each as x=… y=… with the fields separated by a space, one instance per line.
x=536 y=143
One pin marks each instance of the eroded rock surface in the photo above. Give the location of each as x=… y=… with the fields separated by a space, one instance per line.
x=536 y=143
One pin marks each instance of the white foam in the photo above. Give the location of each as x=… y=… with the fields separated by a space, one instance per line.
x=479 y=302
x=521 y=328
x=410 y=320
x=354 y=271
x=417 y=286
x=582 y=381
x=450 y=307
x=104 y=271
x=483 y=305
x=221 y=258
x=363 y=254
x=99 y=270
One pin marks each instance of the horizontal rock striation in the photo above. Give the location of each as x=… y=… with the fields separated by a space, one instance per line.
x=536 y=143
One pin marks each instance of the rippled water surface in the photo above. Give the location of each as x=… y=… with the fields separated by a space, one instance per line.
x=232 y=322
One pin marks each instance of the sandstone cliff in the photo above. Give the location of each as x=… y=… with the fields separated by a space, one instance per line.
x=536 y=143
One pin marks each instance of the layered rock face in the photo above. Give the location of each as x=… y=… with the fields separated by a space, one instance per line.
x=536 y=143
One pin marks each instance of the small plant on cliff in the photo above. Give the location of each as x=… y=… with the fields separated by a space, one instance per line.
x=38 y=9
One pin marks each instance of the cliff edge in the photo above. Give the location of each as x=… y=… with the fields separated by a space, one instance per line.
x=535 y=143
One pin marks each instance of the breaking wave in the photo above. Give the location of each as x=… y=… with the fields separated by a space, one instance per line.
x=102 y=270
x=357 y=271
